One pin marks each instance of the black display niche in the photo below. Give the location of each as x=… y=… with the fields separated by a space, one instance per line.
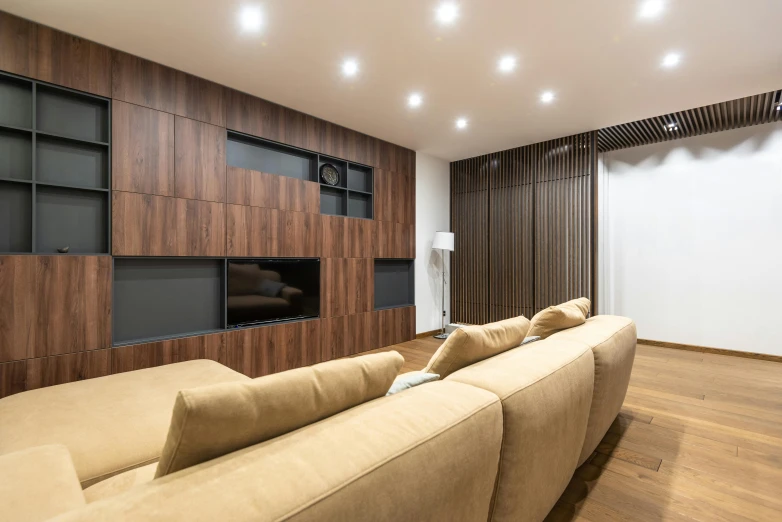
x=394 y=283
x=55 y=169
x=352 y=196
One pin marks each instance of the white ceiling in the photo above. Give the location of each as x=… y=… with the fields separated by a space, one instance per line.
x=602 y=61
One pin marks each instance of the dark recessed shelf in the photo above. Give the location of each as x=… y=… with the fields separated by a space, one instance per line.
x=359 y=178
x=70 y=217
x=16 y=217
x=256 y=154
x=66 y=113
x=103 y=144
x=16 y=102
x=394 y=283
x=333 y=201
x=16 y=160
x=340 y=165
x=359 y=205
x=71 y=163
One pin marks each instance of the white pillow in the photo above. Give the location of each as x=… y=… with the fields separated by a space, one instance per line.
x=409 y=380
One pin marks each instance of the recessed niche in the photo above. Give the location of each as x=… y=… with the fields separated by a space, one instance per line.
x=359 y=205
x=359 y=178
x=72 y=218
x=69 y=162
x=16 y=217
x=66 y=113
x=394 y=283
x=16 y=158
x=254 y=154
x=157 y=298
x=333 y=201
x=16 y=102
x=341 y=167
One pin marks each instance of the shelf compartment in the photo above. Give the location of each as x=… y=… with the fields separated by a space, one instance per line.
x=359 y=178
x=16 y=158
x=16 y=217
x=16 y=102
x=70 y=162
x=254 y=154
x=156 y=298
x=394 y=283
x=70 y=217
x=70 y=114
x=340 y=165
x=359 y=205
x=333 y=201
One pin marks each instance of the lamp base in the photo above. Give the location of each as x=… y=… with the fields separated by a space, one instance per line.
x=441 y=336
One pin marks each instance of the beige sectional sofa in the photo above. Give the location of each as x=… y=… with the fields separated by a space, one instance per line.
x=496 y=440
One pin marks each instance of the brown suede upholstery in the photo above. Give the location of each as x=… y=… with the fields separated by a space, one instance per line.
x=613 y=341
x=545 y=389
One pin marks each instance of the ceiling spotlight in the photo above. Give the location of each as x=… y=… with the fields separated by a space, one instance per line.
x=547 y=97
x=651 y=9
x=506 y=64
x=350 y=67
x=779 y=106
x=414 y=100
x=447 y=13
x=671 y=127
x=461 y=123
x=671 y=60
x=250 y=18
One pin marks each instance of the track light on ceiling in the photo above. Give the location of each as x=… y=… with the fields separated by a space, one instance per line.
x=671 y=127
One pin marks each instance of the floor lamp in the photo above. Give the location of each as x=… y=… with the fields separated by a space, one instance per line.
x=443 y=241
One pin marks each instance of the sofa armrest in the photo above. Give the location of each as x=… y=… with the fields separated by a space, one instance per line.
x=291 y=294
x=38 y=483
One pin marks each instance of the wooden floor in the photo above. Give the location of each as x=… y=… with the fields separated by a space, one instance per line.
x=699 y=438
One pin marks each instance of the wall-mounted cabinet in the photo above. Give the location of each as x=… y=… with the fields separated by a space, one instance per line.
x=394 y=283
x=55 y=174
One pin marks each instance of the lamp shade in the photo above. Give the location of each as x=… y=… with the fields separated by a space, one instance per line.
x=443 y=241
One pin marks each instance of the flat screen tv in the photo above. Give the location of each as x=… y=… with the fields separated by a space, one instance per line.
x=270 y=290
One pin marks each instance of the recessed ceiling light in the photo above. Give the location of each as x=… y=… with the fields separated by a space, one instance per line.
x=349 y=67
x=506 y=64
x=671 y=60
x=651 y=9
x=414 y=100
x=461 y=123
x=547 y=97
x=447 y=13
x=779 y=106
x=673 y=126
x=250 y=18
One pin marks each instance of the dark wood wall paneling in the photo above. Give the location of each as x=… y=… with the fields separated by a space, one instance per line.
x=172 y=195
x=523 y=225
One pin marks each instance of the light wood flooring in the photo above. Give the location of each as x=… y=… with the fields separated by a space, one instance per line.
x=699 y=438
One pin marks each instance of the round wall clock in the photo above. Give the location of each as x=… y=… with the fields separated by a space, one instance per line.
x=329 y=174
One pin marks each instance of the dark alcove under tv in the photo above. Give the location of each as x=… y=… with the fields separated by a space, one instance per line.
x=269 y=290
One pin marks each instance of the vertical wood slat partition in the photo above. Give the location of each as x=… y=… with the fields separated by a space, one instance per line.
x=523 y=225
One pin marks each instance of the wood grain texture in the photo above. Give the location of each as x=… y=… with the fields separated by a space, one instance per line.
x=361 y=238
x=73 y=62
x=200 y=160
x=394 y=326
x=200 y=99
x=717 y=351
x=259 y=189
x=13 y=377
x=143 y=225
x=261 y=232
x=200 y=228
x=17 y=307
x=336 y=236
x=142 y=153
x=17 y=45
x=394 y=194
x=347 y=335
x=148 y=355
x=394 y=240
x=360 y=287
x=347 y=286
x=142 y=82
x=61 y=369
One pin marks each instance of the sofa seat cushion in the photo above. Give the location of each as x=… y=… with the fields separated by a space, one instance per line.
x=429 y=453
x=470 y=344
x=545 y=388
x=612 y=339
x=211 y=421
x=109 y=424
x=120 y=483
x=560 y=317
x=38 y=483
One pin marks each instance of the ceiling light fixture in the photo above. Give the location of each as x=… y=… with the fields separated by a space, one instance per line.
x=350 y=67
x=671 y=60
x=779 y=106
x=651 y=9
x=506 y=64
x=447 y=13
x=547 y=97
x=414 y=100
x=250 y=18
x=461 y=123
x=671 y=127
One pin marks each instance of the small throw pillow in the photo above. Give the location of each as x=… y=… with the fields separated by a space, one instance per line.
x=410 y=380
x=471 y=344
x=530 y=339
x=215 y=420
x=560 y=317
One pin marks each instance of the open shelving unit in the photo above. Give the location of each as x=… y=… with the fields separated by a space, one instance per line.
x=55 y=169
x=351 y=197
x=394 y=283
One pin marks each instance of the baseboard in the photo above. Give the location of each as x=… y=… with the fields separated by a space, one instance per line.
x=717 y=351
x=427 y=334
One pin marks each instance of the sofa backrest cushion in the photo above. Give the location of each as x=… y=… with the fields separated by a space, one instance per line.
x=212 y=421
x=560 y=317
x=471 y=344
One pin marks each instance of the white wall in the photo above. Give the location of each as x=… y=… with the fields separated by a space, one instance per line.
x=432 y=211
x=691 y=239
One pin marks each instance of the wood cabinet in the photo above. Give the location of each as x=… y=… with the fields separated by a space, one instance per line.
x=141 y=82
x=347 y=335
x=200 y=160
x=265 y=232
x=259 y=189
x=17 y=307
x=394 y=326
x=347 y=286
x=18 y=45
x=148 y=355
x=394 y=240
x=142 y=150
x=200 y=99
x=200 y=228
x=394 y=197
x=61 y=369
x=271 y=349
